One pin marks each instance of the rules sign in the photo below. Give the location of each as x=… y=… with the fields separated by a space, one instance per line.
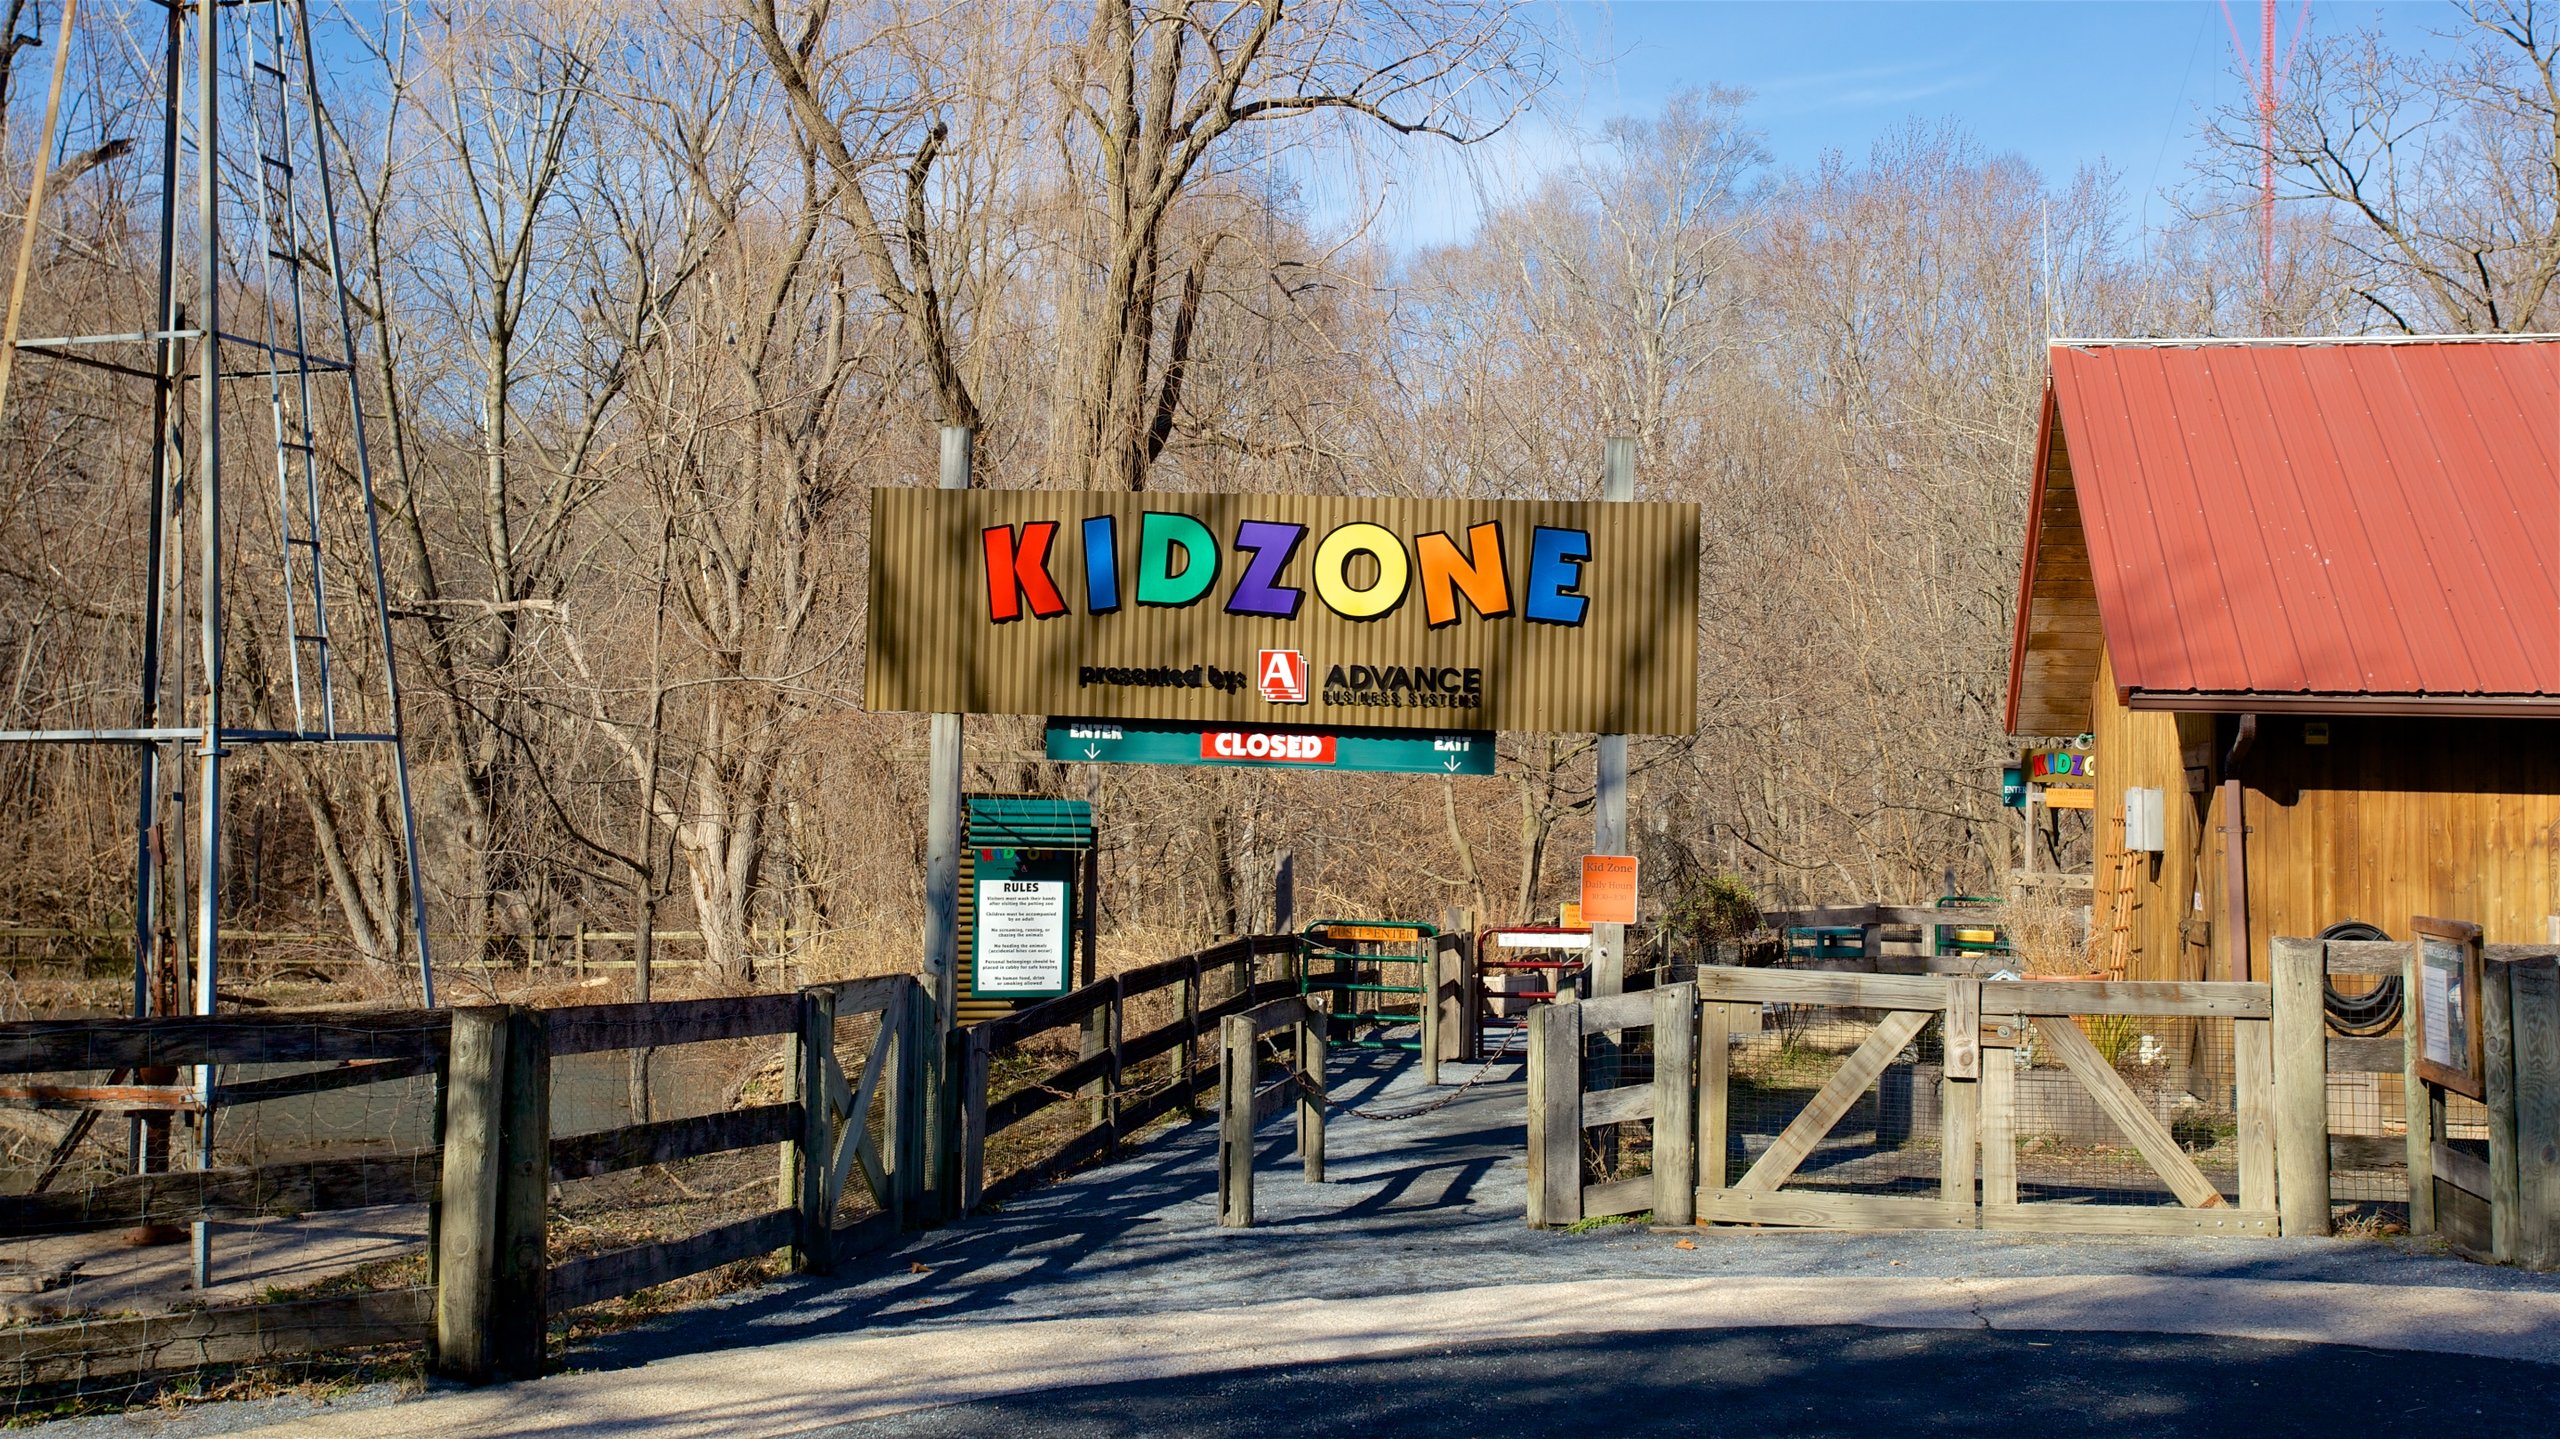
x=1021 y=937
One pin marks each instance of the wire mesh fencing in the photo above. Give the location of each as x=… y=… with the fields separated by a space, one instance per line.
x=2178 y=1070
x=2368 y=1102
x=1885 y=1137
x=1618 y=1059
x=319 y=1144
x=673 y=1198
x=1850 y=1101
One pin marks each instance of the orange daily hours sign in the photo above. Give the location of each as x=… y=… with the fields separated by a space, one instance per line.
x=1609 y=889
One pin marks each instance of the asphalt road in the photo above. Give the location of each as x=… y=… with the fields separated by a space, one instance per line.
x=1407 y=1295
x=1837 y=1380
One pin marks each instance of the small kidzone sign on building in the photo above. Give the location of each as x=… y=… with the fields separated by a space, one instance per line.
x=1328 y=612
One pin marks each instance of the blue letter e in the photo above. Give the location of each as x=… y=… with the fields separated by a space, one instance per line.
x=1555 y=572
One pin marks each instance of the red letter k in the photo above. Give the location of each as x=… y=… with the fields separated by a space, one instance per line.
x=1019 y=572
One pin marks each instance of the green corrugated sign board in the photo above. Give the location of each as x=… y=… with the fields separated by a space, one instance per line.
x=1023 y=893
x=1027 y=822
x=1360 y=751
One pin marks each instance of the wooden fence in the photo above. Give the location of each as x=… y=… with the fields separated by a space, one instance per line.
x=1100 y=1076
x=489 y=1179
x=2493 y=1193
x=1243 y=1104
x=2496 y=1196
x=1692 y=1024
x=360 y=1048
x=1560 y=1108
x=572 y=949
x=497 y=1287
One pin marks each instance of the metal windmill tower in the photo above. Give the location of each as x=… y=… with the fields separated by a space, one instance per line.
x=250 y=292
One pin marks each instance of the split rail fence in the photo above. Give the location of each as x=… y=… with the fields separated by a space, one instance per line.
x=1011 y=1083
x=500 y=1280
x=852 y=1090
x=75 y=1054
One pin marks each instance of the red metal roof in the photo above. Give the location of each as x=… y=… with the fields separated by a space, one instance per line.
x=2364 y=520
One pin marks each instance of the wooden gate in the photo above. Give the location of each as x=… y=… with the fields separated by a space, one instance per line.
x=2003 y=1051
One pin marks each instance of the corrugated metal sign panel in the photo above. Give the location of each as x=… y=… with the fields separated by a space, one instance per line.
x=2351 y=519
x=1022 y=822
x=1424 y=614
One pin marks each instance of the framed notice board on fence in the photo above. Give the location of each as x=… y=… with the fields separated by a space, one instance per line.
x=2448 y=1005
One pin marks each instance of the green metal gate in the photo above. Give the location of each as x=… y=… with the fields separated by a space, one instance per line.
x=1368 y=965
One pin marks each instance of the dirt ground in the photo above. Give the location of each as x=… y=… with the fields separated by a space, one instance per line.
x=65 y=1275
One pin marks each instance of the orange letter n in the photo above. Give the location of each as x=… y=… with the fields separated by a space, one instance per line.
x=1478 y=573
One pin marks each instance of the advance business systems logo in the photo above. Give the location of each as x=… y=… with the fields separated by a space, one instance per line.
x=1283 y=677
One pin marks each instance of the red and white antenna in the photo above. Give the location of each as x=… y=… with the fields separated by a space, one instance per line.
x=2265 y=91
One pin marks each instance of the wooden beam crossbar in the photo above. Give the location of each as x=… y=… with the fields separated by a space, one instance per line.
x=852 y=1108
x=96 y=1348
x=266 y=1191
x=54 y=1045
x=596 y=1028
x=2065 y=1042
x=610 y=1151
x=1796 y=1142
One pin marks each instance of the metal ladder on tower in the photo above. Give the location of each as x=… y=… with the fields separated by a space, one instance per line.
x=267 y=66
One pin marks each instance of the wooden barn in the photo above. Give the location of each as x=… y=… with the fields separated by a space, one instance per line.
x=2306 y=595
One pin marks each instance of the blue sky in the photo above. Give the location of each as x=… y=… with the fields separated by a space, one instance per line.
x=2061 y=82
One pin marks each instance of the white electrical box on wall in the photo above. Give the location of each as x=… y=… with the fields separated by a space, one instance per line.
x=2146 y=829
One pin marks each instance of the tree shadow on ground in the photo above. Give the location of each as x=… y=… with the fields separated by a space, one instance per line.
x=1135 y=1227
x=1814 y=1381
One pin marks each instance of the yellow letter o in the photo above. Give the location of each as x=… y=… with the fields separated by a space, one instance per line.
x=1333 y=559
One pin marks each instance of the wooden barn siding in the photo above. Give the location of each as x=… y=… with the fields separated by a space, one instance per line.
x=2143 y=749
x=2393 y=817
x=2396 y=817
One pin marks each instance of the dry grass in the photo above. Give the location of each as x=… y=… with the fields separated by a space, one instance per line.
x=2361 y=1223
x=2043 y=925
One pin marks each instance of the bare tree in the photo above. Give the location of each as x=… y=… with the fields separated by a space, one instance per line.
x=1152 y=92
x=2441 y=176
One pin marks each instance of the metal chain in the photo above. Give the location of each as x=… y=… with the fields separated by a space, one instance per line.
x=1388 y=1116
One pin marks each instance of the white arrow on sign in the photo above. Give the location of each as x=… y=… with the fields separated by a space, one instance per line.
x=1450 y=764
x=1092 y=752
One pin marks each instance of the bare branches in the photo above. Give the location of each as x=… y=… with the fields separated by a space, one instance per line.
x=2443 y=175
x=858 y=154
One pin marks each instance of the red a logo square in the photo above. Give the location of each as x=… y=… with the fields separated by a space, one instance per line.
x=1283 y=677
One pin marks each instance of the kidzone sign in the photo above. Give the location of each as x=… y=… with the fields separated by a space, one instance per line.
x=2061 y=766
x=1320 y=611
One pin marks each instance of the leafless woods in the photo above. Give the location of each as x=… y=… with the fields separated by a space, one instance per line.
x=648 y=297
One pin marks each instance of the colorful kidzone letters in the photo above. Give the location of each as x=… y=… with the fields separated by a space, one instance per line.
x=1359 y=570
